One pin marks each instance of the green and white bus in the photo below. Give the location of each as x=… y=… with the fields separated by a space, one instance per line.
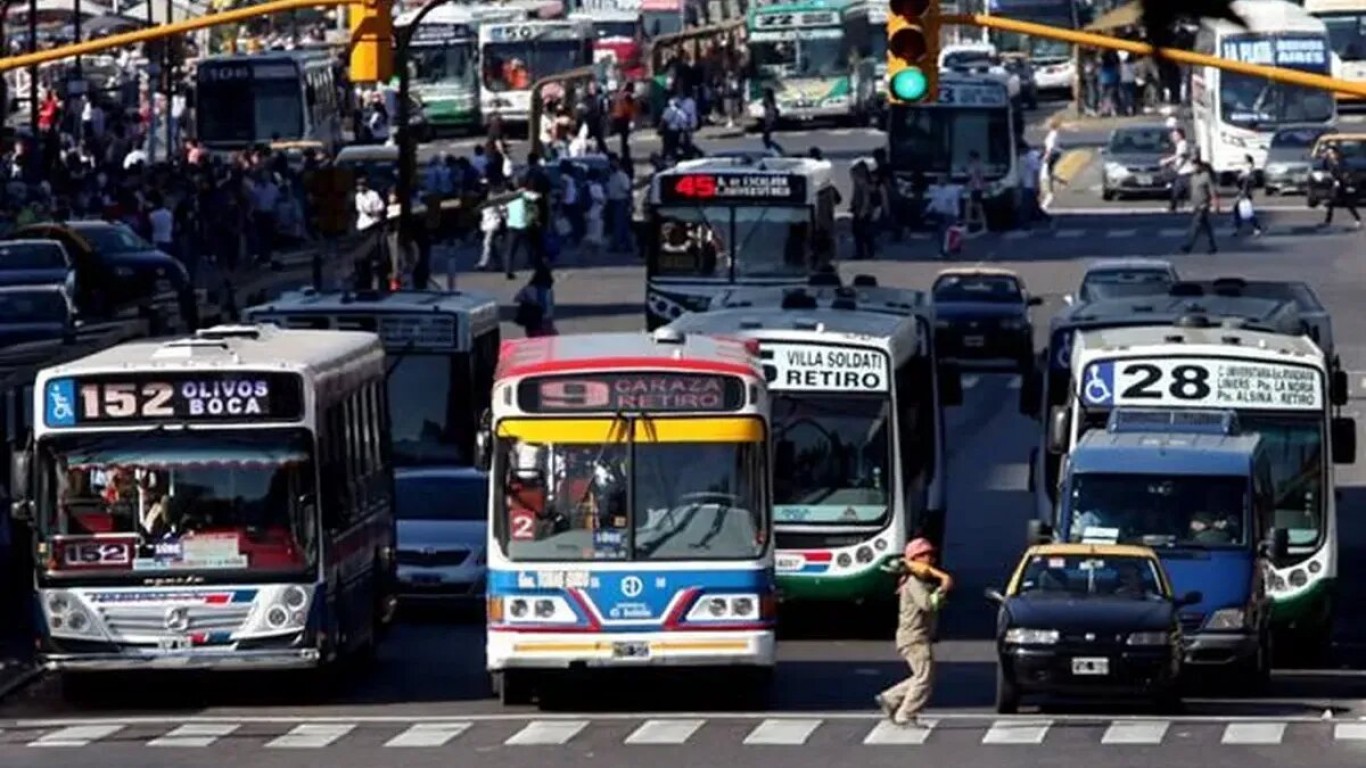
x=858 y=430
x=445 y=61
x=798 y=50
x=865 y=39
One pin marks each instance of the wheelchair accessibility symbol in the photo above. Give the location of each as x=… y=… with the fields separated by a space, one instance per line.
x=61 y=403
x=1099 y=386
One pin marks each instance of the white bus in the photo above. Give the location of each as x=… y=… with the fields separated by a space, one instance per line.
x=444 y=59
x=221 y=501
x=1236 y=115
x=267 y=98
x=513 y=56
x=1346 y=22
x=858 y=434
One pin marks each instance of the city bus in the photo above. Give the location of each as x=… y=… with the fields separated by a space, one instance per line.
x=1053 y=61
x=242 y=100
x=218 y=501
x=514 y=55
x=717 y=222
x=444 y=58
x=797 y=49
x=619 y=37
x=1235 y=116
x=1279 y=386
x=865 y=41
x=858 y=439
x=630 y=510
x=442 y=347
x=1346 y=23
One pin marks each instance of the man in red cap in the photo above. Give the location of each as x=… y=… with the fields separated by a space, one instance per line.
x=920 y=593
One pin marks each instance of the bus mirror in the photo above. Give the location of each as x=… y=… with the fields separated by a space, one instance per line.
x=1344 y=436
x=1277 y=545
x=19 y=468
x=950 y=384
x=1337 y=391
x=1059 y=429
x=1030 y=394
x=482 y=454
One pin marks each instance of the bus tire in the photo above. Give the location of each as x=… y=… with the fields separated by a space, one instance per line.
x=513 y=687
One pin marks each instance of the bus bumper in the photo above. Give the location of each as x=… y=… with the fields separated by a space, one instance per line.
x=256 y=660
x=543 y=650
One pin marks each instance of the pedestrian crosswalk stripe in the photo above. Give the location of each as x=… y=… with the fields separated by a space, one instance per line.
x=887 y=732
x=547 y=732
x=1116 y=234
x=311 y=736
x=1349 y=732
x=1253 y=733
x=76 y=735
x=784 y=732
x=428 y=735
x=1017 y=732
x=1135 y=732
x=194 y=735
x=664 y=732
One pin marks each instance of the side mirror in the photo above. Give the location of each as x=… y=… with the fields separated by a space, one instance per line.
x=1277 y=545
x=1343 y=431
x=1069 y=299
x=1031 y=392
x=950 y=384
x=1190 y=598
x=20 y=467
x=1038 y=532
x=1035 y=301
x=483 y=442
x=1337 y=388
x=1059 y=429
x=994 y=596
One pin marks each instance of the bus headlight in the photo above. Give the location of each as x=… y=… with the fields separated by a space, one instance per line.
x=725 y=608
x=539 y=610
x=864 y=554
x=518 y=609
x=286 y=610
x=66 y=617
x=1298 y=578
x=544 y=609
x=296 y=598
x=1226 y=619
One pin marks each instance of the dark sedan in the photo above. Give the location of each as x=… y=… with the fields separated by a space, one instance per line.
x=1088 y=620
x=1289 y=159
x=983 y=314
x=1351 y=148
x=31 y=313
x=1133 y=162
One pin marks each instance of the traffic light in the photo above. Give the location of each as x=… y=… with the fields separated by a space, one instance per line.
x=372 y=41
x=913 y=51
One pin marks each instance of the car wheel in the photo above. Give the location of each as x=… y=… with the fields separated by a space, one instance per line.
x=1007 y=693
x=1107 y=195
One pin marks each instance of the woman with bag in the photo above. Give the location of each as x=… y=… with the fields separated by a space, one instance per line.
x=536 y=304
x=1243 y=210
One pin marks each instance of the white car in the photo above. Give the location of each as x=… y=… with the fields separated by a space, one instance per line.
x=442 y=534
x=1125 y=277
x=979 y=58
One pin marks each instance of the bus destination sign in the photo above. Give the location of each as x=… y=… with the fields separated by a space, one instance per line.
x=152 y=397
x=644 y=391
x=761 y=188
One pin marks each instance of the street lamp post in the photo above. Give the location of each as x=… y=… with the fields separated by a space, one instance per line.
x=407 y=151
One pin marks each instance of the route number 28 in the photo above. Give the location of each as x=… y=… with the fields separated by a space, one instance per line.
x=1187 y=382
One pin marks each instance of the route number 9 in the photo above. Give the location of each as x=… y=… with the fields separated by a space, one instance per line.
x=575 y=394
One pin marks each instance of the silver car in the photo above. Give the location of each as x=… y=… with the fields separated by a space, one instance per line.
x=442 y=533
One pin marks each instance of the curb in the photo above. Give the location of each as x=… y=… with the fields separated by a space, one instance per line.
x=30 y=673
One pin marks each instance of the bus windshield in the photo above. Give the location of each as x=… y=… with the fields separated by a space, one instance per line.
x=733 y=242
x=200 y=500
x=1346 y=34
x=247 y=111
x=452 y=64
x=622 y=501
x=832 y=459
x=939 y=140
x=819 y=55
x=514 y=66
x=1160 y=511
x=422 y=411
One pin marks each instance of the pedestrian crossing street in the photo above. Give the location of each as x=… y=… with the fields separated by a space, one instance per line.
x=734 y=731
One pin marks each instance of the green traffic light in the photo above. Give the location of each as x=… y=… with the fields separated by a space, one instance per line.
x=909 y=84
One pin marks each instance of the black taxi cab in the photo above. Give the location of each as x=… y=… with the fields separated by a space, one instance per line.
x=982 y=314
x=1322 y=187
x=1096 y=620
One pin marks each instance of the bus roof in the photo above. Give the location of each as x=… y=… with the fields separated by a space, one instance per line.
x=302 y=56
x=1157 y=453
x=864 y=298
x=480 y=309
x=605 y=14
x=1240 y=342
x=1165 y=309
x=240 y=347
x=1266 y=16
x=598 y=352
x=868 y=328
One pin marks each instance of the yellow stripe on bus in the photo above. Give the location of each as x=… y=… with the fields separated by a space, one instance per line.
x=661 y=430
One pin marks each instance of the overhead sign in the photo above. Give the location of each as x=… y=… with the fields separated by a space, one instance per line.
x=808 y=19
x=427 y=331
x=643 y=391
x=150 y=397
x=823 y=367
x=987 y=94
x=764 y=188
x=1297 y=51
x=1200 y=383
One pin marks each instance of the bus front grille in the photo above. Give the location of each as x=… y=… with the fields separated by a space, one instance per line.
x=124 y=621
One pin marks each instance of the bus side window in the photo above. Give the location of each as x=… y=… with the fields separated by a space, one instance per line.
x=336 y=491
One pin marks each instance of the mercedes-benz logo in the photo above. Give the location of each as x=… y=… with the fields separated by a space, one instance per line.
x=178 y=618
x=632 y=586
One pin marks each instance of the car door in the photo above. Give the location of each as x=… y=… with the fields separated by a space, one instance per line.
x=92 y=283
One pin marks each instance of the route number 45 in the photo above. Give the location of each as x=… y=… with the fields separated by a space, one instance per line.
x=1186 y=382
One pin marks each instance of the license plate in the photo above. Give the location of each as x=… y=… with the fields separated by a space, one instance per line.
x=974 y=341
x=1143 y=179
x=1093 y=667
x=634 y=650
x=789 y=562
x=174 y=644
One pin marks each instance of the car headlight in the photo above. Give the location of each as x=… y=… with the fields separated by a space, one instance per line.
x=725 y=608
x=66 y=617
x=1116 y=170
x=1020 y=636
x=1149 y=638
x=1226 y=618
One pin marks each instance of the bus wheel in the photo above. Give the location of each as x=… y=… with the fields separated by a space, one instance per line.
x=513 y=687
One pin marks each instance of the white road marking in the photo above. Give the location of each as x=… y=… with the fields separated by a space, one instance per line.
x=311 y=736
x=540 y=732
x=971 y=381
x=76 y=735
x=1069 y=234
x=887 y=732
x=428 y=735
x=1116 y=234
x=1136 y=732
x=197 y=735
x=1349 y=732
x=783 y=732
x=664 y=732
x=1253 y=733
x=1017 y=732
x=1172 y=232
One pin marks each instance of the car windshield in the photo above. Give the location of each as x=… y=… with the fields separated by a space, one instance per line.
x=442 y=497
x=1175 y=511
x=202 y=500
x=1148 y=141
x=718 y=241
x=1091 y=576
x=33 y=307
x=24 y=256
x=1295 y=138
x=994 y=289
x=832 y=459
x=114 y=238
x=624 y=501
x=1124 y=283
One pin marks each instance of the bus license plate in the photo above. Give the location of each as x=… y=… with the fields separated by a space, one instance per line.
x=1094 y=667
x=175 y=643
x=787 y=563
x=634 y=650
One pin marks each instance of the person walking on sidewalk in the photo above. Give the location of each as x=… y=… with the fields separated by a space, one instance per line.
x=1181 y=164
x=1341 y=196
x=1204 y=202
x=769 y=122
x=1244 y=212
x=919 y=595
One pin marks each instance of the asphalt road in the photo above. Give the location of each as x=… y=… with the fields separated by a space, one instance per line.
x=428 y=698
